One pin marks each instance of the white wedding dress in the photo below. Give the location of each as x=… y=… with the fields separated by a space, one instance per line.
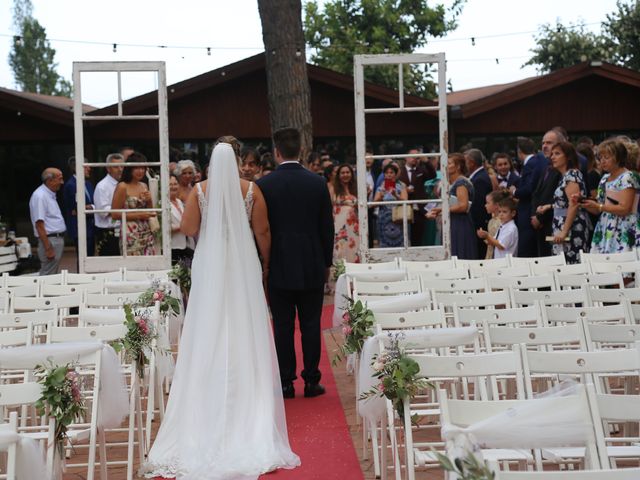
x=225 y=417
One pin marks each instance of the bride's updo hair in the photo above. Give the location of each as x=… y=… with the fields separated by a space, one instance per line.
x=234 y=142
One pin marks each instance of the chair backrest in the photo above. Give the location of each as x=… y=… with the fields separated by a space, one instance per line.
x=16 y=337
x=451 y=274
x=20 y=393
x=386 y=288
x=534 y=282
x=135 y=286
x=596 y=334
x=361 y=267
x=598 y=258
x=471 y=300
x=619 y=266
x=560 y=297
x=621 y=474
x=378 y=276
x=78 y=278
x=24 y=319
x=106 y=333
x=136 y=275
x=100 y=316
x=591 y=280
x=490 y=264
x=488 y=365
x=45 y=303
x=614 y=295
x=109 y=299
x=553 y=315
x=18 y=281
x=572 y=269
x=57 y=279
x=397 y=321
x=47 y=290
x=401 y=303
x=500 y=316
x=634 y=312
x=563 y=336
x=551 y=260
x=27 y=290
x=499 y=271
x=452 y=286
x=431 y=266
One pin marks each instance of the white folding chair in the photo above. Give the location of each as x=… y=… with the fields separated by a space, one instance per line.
x=17 y=281
x=600 y=296
x=569 y=281
x=490 y=264
x=109 y=300
x=27 y=290
x=572 y=269
x=625 y=474
x=47 y=290
x=470 y=285
x=80 y=278
x=592 y=258
x=499 y=271
x=535 y=282
x=135 y=275
x=414 y=266
x=488 y=300
x=575 y=297
x=611 y=314
x=552 y=260
x=402 y=287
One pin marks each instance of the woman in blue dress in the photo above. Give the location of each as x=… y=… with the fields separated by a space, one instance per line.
x=390 y=233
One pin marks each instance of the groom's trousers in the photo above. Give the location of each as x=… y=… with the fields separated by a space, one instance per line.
x=308 y=304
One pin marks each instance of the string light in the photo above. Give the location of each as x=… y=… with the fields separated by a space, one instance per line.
x=115 y=48
x=209 y=51
x=18 y=40
x=473 y=41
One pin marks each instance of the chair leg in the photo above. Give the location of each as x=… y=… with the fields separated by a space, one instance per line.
x=373 y=426
x=103 y=454
x=151 y=398
x=132 y=418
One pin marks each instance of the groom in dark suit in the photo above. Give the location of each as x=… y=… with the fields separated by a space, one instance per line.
x=301 y=221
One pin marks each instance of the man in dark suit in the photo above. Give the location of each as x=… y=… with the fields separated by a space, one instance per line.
x=71 y=206
x=533 y=167
x=413 y=175
x=301 y=220
x=474 y=160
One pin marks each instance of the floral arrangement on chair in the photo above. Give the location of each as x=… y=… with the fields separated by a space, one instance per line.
x=181 y=274
x=467 y=468
x=338 y=269
x=159 y=293
x=61 y=397
x=357 y=326
x=138 y=341
x=398 y=376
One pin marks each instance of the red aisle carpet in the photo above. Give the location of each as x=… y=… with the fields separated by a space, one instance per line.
x=318 y=430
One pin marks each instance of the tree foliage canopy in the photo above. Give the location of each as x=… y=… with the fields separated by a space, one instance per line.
x=32 y=59
x=562 y=46
x=344 y=28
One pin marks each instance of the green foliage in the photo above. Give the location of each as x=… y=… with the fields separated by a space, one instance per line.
x=344 y=28
x=61 y=397
x=338 y=268
x=398 y=376
x=181 y=273
x=32 y=59
x=562 y=46
x=468 y=468
x=357 y=326
x=622 y=28
x=138 y=341
x=159 y=293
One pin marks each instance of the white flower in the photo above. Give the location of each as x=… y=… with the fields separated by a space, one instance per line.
x=378 y=366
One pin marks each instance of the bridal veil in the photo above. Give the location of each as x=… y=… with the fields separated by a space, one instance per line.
x=225 y=416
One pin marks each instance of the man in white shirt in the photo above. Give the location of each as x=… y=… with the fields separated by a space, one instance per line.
x=107 y=229
x=48 y=222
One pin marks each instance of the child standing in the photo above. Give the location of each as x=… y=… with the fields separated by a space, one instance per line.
x=491 y=205
x=506 y=239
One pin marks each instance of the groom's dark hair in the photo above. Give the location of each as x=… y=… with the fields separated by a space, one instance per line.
x=287 y=141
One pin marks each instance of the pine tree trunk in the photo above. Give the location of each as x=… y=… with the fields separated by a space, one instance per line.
x=286 y=64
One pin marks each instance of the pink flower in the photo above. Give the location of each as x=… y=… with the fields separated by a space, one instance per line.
x=158 y=296
x=71 y=375
x=381 y=387
x=346 y=330
x=345 y=317
x=144 y=328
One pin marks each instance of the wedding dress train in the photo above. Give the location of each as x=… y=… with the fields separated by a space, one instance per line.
x=225 y=416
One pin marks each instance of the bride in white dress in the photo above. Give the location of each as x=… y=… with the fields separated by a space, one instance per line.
x=225 y=417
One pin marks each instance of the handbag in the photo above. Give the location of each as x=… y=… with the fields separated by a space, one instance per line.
x=396 y=213
x=154 y=224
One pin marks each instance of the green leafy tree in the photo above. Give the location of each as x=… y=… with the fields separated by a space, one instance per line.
x=32 y=59
x=622 y=28
x=344 y=28
x=562 y=46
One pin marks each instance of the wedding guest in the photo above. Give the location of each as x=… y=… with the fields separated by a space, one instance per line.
x=197 y=177
x=313 y=163
x=108 y=229
x=390 y=233
x=506 y=175
x=463 y=237
x=71 y=207
x=533 y=168
x=568 y=221
x=505 y=241
x=345 y=215
x=267 y=164
x=616 y=202
x=181 y=246
x=593 y=176
x=47 y=221
x=330 y=173
x=413 y=175
x=492 y=205
x=370 y=182
x=125 y=152
x=482 y=186
x=250 y=164
x=133 y=193
x=185 y=171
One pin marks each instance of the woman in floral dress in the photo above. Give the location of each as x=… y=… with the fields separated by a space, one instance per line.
x=568 y=220
x=616 y=201
x=132 y=193
x=345 y=215
x=390 y=233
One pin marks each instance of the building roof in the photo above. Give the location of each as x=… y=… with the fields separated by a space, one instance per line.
x=471 y=102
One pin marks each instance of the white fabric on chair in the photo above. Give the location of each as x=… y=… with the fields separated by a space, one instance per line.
x=29 y=460
x=398 y=304
x=340 y=303
x=114 y=402
x=373 y=408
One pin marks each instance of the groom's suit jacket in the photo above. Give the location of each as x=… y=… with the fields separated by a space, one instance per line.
x=301 y=221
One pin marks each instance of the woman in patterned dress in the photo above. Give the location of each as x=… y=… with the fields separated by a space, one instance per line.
x=132 y=192
x=390 y=233
x=345 y=215
x=568 y=220
x=617 y=229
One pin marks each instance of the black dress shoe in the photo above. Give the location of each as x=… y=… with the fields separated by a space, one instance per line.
x=313 y=390
x=288 y=391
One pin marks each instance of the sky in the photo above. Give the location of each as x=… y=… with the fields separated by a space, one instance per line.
x=503 y=30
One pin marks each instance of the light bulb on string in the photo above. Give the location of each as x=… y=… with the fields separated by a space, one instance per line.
x=115 y=48
x=473 y=41
x=209 y=51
